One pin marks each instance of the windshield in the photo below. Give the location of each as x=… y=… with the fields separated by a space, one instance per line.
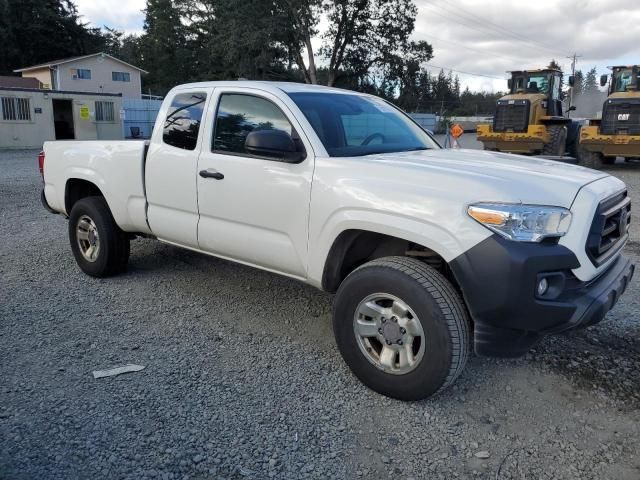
x=622 y=79
x=538 y=84
x=353 y=125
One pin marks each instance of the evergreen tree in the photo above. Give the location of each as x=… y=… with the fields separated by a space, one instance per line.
x=164 y=47
x=591 y=82
x=38 y=31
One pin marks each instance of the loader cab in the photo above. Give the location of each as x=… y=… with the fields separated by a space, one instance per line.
x=623 y=79
x=539 y=86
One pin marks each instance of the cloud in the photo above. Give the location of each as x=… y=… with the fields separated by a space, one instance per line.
x=127 y=16
x=491 y=37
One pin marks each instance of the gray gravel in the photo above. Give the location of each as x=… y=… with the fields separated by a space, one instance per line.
x=243 y=379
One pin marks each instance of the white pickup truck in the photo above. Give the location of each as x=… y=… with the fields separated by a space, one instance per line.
x=430 y=251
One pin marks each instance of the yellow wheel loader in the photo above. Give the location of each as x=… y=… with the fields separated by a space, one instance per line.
x=617 y=133
x=530 y=119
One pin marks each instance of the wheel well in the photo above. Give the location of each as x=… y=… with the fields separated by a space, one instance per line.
x=353 y=248
x=77 y=189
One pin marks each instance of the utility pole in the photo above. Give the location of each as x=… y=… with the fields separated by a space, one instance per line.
x=573 y=74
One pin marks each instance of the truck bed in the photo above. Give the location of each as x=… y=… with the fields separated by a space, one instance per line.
x=116 y=167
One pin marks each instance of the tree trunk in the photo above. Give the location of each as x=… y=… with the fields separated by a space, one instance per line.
x=312 y=63
x=332 y=78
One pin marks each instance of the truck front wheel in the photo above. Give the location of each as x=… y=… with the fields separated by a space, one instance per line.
x=98 y=245
x=401 y=327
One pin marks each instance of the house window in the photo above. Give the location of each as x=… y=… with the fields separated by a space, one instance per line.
x=83 y=74
x=121 y=76
x=104 y=112
x=14 y=108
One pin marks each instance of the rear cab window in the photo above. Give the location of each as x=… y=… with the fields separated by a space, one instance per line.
x=182 y=123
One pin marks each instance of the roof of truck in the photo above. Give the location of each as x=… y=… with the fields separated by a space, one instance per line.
x=536 y=70
x=288 y=87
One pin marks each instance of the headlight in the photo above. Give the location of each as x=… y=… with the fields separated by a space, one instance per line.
x=522 y=223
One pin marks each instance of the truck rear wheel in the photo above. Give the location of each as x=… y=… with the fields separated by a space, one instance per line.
x=98 y=245
x=558 y=143
x=401 y=327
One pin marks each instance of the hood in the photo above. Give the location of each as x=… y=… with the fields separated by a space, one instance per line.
x=496 y=176
x=532 y=97
x=628 y=95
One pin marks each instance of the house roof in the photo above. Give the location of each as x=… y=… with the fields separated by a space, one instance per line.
x=18 y=82
x=55 y=63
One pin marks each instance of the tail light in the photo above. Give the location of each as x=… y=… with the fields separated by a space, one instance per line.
x=41 y=163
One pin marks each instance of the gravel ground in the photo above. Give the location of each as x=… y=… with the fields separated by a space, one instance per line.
x=243 y=379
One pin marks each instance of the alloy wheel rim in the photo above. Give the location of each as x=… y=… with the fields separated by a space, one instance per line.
x=389 y=333
x=88 y=238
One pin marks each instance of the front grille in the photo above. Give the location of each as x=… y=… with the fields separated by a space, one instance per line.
x=511 y=116
x=609 y=229
x=620 y=116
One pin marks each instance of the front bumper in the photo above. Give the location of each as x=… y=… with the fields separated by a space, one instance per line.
x=532 y=140
x=498 y=279
x=609 y=145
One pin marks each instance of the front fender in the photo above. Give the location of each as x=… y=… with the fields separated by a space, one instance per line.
x=435 y=237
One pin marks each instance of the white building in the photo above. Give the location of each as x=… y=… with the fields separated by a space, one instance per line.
x=29 y=117
x=98 y=73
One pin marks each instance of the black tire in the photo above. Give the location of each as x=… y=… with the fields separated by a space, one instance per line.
x=573 y=139
x=590 y=159
x=439 y=308
x=114 y=245
x=558 y=143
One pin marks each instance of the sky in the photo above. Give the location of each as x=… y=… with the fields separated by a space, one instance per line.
x=482 y=39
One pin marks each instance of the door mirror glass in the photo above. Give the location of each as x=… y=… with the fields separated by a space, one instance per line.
x=603 y=80
x=274 y=144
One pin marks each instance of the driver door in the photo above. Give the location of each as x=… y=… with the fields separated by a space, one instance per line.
x=253 y=209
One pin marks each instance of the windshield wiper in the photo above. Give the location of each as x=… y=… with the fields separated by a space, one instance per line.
x=415 y=149
x=377 y=152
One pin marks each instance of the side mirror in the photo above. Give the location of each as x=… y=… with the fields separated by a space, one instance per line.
x=274 y=144
x=572 y=80
x=603 y=80
x=510 y=83
x=572 y=108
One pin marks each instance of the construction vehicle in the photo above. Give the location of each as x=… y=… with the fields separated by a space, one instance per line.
x=617 y=132
x=530 y=119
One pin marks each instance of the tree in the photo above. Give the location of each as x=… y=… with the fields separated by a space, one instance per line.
x=38 y=31
x=554 y=65
x=122 y=46
x=164 y=47
x=238 y=39
x=363 y=36
x=591 y=82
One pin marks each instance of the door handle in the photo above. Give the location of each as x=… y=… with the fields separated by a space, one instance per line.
x=211 y=173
